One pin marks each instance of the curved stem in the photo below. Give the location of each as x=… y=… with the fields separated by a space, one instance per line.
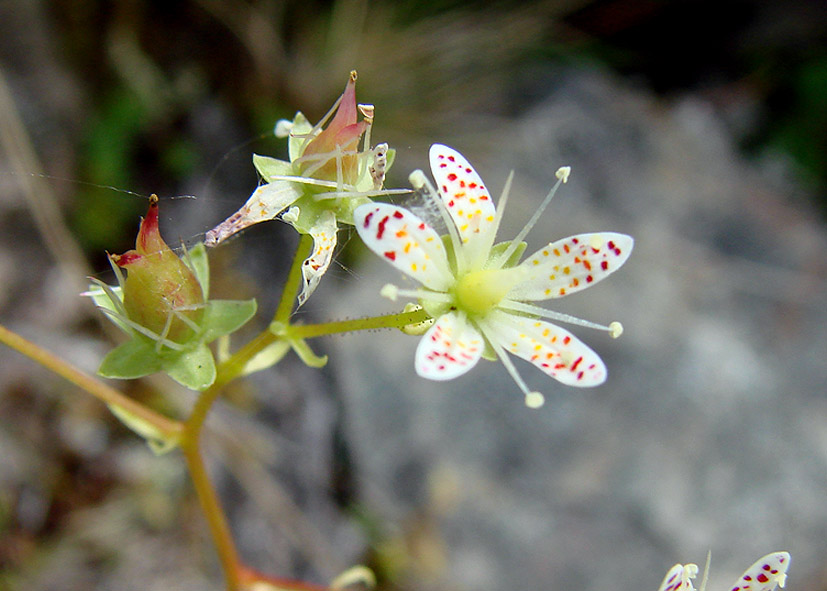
x=211 y=506
x=167 y=427
x=294 y=277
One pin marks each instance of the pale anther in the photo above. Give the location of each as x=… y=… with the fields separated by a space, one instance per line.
x=534 y=400
x=563 y=173
x=291 y=216
x=389 y=291
x=615 y=329
x=283 y=128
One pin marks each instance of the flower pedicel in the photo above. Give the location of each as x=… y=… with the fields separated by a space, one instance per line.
x=476 y=290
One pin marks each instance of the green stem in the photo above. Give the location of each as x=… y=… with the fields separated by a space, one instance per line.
x=294 y=278
x=168 y=427
x=388 y=321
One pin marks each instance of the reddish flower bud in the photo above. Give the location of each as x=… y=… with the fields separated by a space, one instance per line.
x=160 y=292
x=341 y=137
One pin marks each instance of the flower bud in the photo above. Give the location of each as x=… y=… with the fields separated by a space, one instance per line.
x=160 y=292
x=340 y=140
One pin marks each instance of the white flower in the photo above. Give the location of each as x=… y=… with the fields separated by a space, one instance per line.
x=326 y=178
x=479 y=294
x=767 y=573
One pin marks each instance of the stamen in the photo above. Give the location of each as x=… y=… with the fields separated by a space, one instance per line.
x=516 y=242
x=533 y=399
x=615 y=329
x=317 y=128
x=422 y=185
x=291 y=216
x=563 y=173
x=706 y=571
x=392 y=292
x=283 y=128
x=378 y=193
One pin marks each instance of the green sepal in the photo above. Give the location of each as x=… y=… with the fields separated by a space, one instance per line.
x=194 y=369
x=196 y=260
x=267 y=357
x=222 y=317
x=269 y=167
x=513 y=260
x=157 y=441
x=104 y=296
x=135 y=358
x=306 y=354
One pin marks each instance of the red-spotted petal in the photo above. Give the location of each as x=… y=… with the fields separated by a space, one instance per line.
x=451 y=347
x=766 y=574
x=405 y=241
x=552 y=349
x=679 y=578
x=464 y=195
x=572 y=264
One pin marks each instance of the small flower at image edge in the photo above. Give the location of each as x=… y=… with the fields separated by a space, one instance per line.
x=163 y=305
x=326 y=178
x=478 y=292
x=767 y=573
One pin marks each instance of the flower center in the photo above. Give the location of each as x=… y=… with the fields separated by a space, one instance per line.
x=479 y=292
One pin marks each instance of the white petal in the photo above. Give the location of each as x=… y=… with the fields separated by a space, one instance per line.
x=266 y=202
x=767 y=573
x=550 y=348
x=405 y=241
x=572 y=264
x=679 y=578
x=324 y=242
x=464 y=195
x=450 y=348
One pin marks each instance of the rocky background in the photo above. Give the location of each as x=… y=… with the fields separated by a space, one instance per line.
x=699 y=128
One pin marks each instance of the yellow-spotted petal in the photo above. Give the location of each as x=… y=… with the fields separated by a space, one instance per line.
x=550 y=348
x=451 y=347
x=466 y=198
x=406 y=242
x=324 y=242
x=571 y=264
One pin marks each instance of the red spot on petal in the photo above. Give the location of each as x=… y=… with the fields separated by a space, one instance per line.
x=762 y=578
x=577 y=362
x=367 y=219
x=452 y=177
x=589 y=278
x=566 y=340
x=398 y=215
x=604 y=265
x=451 y=158
x=390 y=255
x=380 y=228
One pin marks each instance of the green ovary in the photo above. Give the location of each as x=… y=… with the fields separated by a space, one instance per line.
x=479 y=292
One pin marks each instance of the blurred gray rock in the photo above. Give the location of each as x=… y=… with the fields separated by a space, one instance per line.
x=711 y=431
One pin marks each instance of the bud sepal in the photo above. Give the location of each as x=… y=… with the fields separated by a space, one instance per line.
x=163 y=305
